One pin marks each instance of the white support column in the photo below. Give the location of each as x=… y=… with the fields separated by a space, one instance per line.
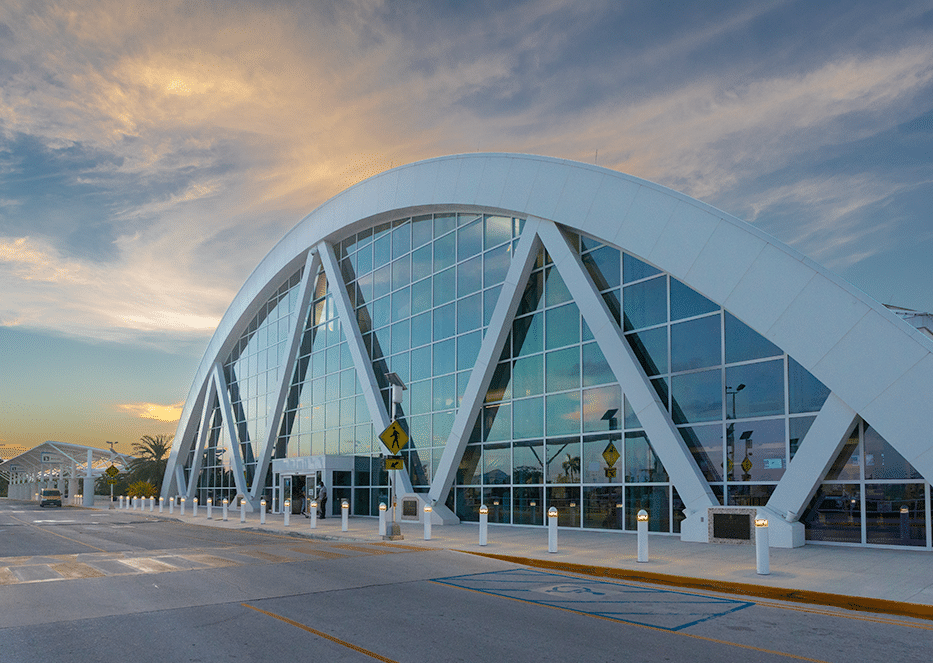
x=207 y=410
x=223 y=397
x=361 y=358
x=814 y=456
x=500 y=324
x=89 y=480
x=174 y=481
x=666 y=441
x=305 y=290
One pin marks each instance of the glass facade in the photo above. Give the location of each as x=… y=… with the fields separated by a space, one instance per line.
x=554 y=427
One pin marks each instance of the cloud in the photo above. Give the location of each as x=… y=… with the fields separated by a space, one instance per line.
x=155 y=411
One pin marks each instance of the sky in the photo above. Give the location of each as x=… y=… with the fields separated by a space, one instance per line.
x=151 y=153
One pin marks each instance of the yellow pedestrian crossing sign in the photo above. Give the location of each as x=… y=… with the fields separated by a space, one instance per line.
x=112 y=471
x=746 y=464
x=611 y=454
x=394 y=437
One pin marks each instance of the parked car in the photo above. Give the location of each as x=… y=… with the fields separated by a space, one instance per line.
x=50 y=498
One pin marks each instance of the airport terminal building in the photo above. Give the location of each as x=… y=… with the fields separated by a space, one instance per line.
x=568 y=336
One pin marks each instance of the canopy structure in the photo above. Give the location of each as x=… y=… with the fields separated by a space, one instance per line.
x=59 y=465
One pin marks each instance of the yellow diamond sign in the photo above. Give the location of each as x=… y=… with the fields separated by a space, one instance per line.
x=394 y=437
x=746 y=465
x=112 y=471
x=611 y=454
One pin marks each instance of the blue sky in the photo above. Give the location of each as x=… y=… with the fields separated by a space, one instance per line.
x=152 y=153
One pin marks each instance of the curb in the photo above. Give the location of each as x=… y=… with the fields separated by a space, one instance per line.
x=858 y=603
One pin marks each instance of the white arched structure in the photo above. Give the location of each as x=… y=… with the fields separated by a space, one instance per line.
x=876 y=366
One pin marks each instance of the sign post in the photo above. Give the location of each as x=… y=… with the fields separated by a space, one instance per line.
x=394 y=438
x=111 y=473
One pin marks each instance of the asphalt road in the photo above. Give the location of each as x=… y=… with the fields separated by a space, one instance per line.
x=81 y=585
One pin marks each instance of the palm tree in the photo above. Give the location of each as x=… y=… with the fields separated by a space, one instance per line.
x=571 y=467
x=151 y=458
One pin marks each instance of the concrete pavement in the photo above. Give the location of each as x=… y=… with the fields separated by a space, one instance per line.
x=873 y=579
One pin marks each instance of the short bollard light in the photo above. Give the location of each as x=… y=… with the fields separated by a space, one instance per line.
x=344 y=516
x=262 y=511
x=552 y=529
x=242 y=509
x=382 y=518
x=121 y=501
x=287 y=510
x=134 y=502
x=161 y=504
x=226 y=505
x=483 y=524
x=762 y=549
x=427 y=522
x=313 y=514
x=642 y=518
x=151 y=504
x=182 y=506
x=171 y=505
x=194 y=507
x=210 y=506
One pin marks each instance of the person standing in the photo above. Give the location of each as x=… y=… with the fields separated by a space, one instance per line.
x=322 y=500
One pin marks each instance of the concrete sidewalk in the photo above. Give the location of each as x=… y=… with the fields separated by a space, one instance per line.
x=879 y=580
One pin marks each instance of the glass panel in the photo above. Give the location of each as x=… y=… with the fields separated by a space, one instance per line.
x=562 y=326
x=556 y=291
x=445 y=252
x=500 y=387
x=421 y=230
x=567 y=501
x=631 y=419
x=697 y=396
x=528 y=376
x=743 y=343
x=798 y=431
x=445 y=392
x=470 y=240
x=490 y=298
x=468 y=473
x=497 y=423
x=641 y=463
x=497 y=463
x=604 y=267
x=601 y=409
x=654 y=500
x=562 y=369
x=563 y=460
x=498 y=230
x=528 y=417
x=470 y=276
x=467 y=350
x=445 y=322
x=645 y=304
x=755 y=390
x=528 y=334
x=498 y=501
x=806 y=393
x=761 y=444
x=895 y=514
x=882 y=461
x=687 y=303
x=468 y=501
x=528 y=507
x=650 y=347
x=595 y=368
x=835 y=514
x=705 y=443
x=444 y=286
x=421 y=329
x=528 y=465
x=595 y=467
x=421 y=297
x=846 y=465
x=634 y=269
x=444 y=357
x=444 y=223
x=421 y=263
x=496 y=264
x=533 y=297
x=401 y=240
x=750 y=495
x=696 y=344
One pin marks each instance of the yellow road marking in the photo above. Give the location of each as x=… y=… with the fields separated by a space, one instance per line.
x=73 y=570
x=321 y=634
x=645 y=626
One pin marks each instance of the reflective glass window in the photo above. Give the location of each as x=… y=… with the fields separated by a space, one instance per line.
x=562 y=326
x=763 y=393
x=750 y=495
x=401 y=273
x=528 y=376
x=490 y=298
x=420 y=396
x=496 y=265
x=401 y=304
x=641 y=463
x=445 y=252
x=602 y=407
x=528 y=505
x=470 y=240
x=696 y=344
x=805 y=392
x=527 y=462
x=498 y=230
x=400 y=336
x=603 y=507
x=631 y=419
x=528 y=334
x=596 y=448
x=445 y=392
x=563 y=460
x=634 y=269
x=470 y=276
x=562 y=369
x=645 y=304
x=743 y=343
x=467 y=350
x=882 y=461
x=500 y=387
x=469 y=472
x=653 y=499
x=421 y=297
x=421 y=263
x=595 y=367
x=528 y=417
x=445 y=321
x=445 y=286
x=497 y=424
x=797 y=428
x=687 y=303
x=469 y=313
x=835 y=514
x=444 y=223
x=566 y=499
x=697 y=396
x=533 y=296
x=444 y=357
x=705 y=443
x=761 y=443
x=555 y=289
x=895 y=514
x=421 y=230
x=562 y=413
x=650 y=347
x=604 y=267
x=401 y=240
x=498 y=501
x=421 y=329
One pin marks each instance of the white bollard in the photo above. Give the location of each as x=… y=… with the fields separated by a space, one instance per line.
x=344 y=516
x=134 y=502
x=151 y=504
x=182 y=506
x=382 y=518
x=194 y=507
x=483 y=524
x=313 y=513
x=262 y=511
x=171 y=505
x=427 y=522
x=210 y=506
x=121 y=501
x=161 y=504
x=642 y=518
x=552 y=529
x=226 y=506
x=287 y=511
x=762 y=549
x=242 y=509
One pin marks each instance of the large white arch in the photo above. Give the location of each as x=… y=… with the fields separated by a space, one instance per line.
x=875 y=364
